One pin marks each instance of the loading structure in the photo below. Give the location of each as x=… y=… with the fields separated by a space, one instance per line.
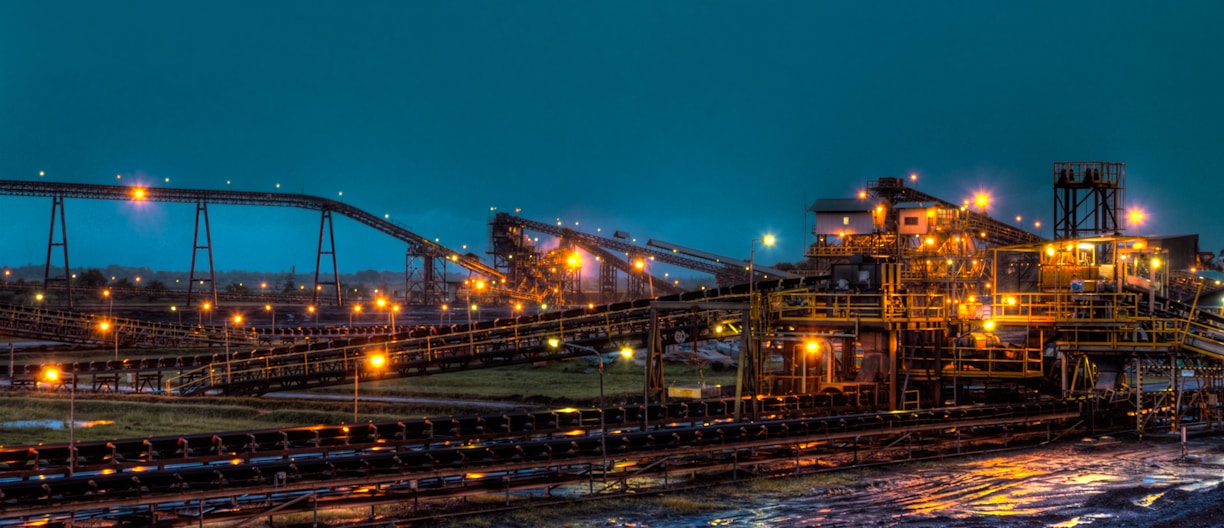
x=553 y=275
x=940 y=303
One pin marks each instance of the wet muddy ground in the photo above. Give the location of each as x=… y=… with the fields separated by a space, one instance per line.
x=1132 y=483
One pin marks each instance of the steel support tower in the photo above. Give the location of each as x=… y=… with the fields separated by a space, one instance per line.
x=1087 y=198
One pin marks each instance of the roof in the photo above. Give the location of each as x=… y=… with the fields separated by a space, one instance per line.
x=840 y=205
x=913 y=205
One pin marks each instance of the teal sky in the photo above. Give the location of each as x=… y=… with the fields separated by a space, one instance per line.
x=703 y=123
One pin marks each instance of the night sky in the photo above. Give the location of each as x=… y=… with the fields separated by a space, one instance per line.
x=702 y=123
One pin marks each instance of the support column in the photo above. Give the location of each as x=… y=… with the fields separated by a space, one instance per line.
x=654 y=361
x=894 y=366
x=747 y=368
x=325 y=226
x=57 y=206
x=425 y=281
x=201 y=212
x=607 y=282
x=1139 y=396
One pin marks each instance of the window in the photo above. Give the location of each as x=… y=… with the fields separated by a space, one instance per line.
x=910 y=220
x=845 y=220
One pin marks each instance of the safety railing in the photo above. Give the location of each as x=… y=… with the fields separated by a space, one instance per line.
x=846 y=306
x=1064 y=308
x=993 y=362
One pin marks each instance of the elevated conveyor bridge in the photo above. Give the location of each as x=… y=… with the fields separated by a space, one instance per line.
x=515 y=255
x=418 y=246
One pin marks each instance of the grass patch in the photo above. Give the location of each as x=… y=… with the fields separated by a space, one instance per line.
x=555 y=383
x=557 y=380
x=139 y=417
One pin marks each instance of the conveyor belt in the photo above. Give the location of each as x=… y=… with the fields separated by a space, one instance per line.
x=543 y=460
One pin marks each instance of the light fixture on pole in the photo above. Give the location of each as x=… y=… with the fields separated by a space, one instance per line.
x=225 y=329
x=38 y=299
x=1136 y=219
x=640 y=265
x=52 y=376
x=107 y=326
x=376 y=362
x=394 y=310
x=381 y=303
x=746 y=352
x=272 y=309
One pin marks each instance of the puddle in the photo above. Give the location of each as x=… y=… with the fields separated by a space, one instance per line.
x=1054 y=487
x=52 y=424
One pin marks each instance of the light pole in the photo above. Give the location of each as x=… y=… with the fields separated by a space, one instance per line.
x=441 y=313
x=106 y=326
x=1136 y=219
x=310 y=310
x=381 y=303
x=518 y=310
x=52 y=375
x=640 y=265
x=272 y=309
x=813 y=348
x=356 y=310
x=225 y=328
x=376 y=361
x=200 y=315
x=38 y=299
x=603 y=430
x=471 y=334
x=746 y=351
x=110 y=303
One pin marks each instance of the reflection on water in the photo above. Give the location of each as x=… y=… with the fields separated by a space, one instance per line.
x=1132 y=483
